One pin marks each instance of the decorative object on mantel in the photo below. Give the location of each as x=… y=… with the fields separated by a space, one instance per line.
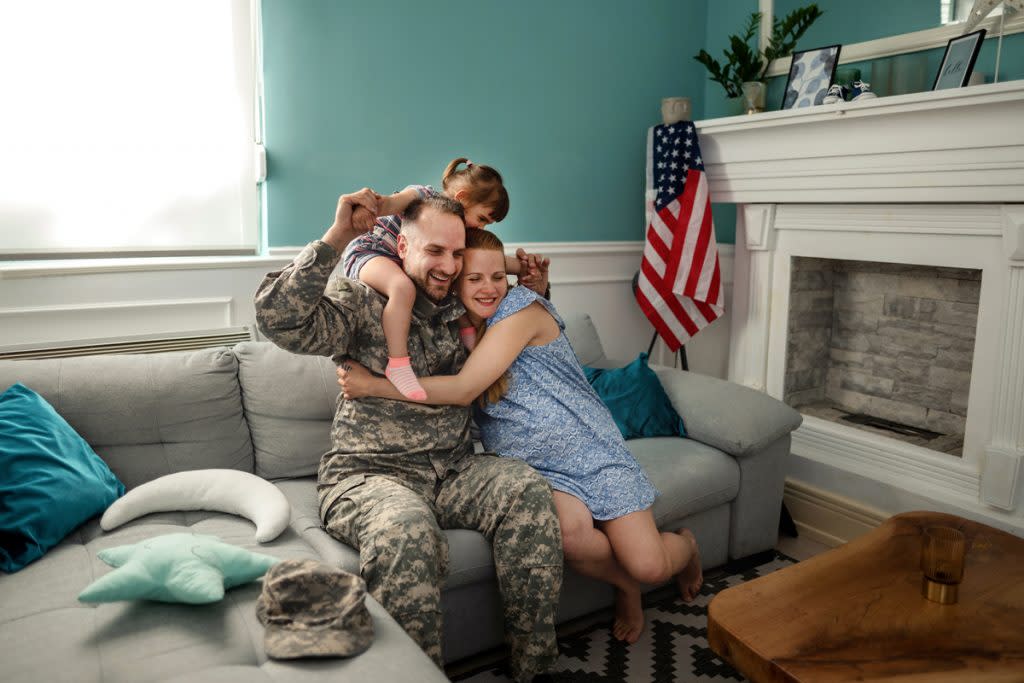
x=676 y=109
x=958 y=61
x=745 y=64
x=980 y=10
x=810 y=77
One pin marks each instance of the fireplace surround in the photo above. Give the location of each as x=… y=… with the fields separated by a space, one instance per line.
x=932 y=179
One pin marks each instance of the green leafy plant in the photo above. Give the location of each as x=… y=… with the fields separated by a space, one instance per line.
x=744 y=63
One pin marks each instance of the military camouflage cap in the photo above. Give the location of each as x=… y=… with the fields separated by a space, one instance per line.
x=311 y=609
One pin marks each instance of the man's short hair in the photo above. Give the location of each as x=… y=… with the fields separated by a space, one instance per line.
x=441 y=204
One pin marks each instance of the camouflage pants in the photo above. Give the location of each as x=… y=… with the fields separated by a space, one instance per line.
x=395 y=521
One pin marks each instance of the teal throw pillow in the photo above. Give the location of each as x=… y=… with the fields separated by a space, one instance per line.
x=182 y=567
x=51 y=480
x=637 y=401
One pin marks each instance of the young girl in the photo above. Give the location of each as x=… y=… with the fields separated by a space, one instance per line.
x=373 y=257
x=534 y=403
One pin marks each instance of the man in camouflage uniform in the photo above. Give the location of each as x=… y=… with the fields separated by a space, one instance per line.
x=400 y=472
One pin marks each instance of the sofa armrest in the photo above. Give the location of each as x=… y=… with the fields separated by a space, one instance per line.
x=731 y=417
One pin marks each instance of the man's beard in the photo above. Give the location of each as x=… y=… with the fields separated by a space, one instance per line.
x=433 y=293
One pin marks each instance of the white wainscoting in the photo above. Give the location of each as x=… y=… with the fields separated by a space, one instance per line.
x=48 y=303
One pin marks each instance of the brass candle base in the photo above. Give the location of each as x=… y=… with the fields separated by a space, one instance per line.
x=942 y=593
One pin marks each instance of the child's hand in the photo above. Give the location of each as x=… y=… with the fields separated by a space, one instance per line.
x=362 y=219
x=354 y=379
x=533 y=271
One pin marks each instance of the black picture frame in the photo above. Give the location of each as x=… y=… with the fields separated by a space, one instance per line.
x=958 y=60
x=798 y=89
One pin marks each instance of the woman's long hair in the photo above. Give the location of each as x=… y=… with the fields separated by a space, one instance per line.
x=487 y=241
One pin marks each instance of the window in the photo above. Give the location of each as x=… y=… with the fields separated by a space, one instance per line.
x=128 y=127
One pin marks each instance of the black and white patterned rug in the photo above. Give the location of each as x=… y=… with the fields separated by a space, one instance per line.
x=673 y=646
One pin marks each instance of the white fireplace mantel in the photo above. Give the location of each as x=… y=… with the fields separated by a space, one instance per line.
x=958 y=145
x=933 y=178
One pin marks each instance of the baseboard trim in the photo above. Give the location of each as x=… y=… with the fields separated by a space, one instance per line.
x=826 y=517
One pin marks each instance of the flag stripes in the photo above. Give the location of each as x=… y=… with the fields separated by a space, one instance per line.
x=680 y=283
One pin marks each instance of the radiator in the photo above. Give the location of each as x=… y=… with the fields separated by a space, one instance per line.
x=174 y=341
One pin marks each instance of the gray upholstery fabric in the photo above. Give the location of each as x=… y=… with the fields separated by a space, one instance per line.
x=290 y=402
x=690 y=476
x=728 y=416
x=582 y=335
x=754 y=523
x=147 y=415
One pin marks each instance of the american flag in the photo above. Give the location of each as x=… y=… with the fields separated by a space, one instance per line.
x=680 y=283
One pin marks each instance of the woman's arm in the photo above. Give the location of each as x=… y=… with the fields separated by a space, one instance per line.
x=489 y=360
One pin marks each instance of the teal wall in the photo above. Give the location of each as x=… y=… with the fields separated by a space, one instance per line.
x=557 y=96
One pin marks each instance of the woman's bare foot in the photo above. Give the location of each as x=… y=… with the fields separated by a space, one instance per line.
x=629 y=616
x=691 y=578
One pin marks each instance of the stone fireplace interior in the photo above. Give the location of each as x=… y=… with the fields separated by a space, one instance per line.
x=886 y=348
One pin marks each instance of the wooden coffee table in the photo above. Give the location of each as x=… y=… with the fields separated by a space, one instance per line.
x=857 y=613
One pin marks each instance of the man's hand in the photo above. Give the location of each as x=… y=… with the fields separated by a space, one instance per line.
x=362 y=219
x=342 y=231
x=354 y=379
x=533 y=271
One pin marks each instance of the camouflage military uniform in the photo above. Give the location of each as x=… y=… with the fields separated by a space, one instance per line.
x=400 y=472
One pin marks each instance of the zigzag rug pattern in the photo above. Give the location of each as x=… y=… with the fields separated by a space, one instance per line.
x=673 y=647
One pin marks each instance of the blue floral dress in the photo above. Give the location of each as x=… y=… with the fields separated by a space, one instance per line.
x=552 y=419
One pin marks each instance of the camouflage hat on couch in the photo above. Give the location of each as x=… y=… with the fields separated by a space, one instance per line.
x=311 y=609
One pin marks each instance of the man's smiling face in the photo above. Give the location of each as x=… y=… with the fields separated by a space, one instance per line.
x=431 y=251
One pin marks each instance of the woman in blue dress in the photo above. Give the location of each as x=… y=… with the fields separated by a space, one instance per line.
x=533 y=402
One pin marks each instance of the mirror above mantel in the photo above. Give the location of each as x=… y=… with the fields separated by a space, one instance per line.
x=927 y=24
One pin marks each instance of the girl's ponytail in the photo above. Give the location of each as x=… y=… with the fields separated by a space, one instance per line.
x=483 y=184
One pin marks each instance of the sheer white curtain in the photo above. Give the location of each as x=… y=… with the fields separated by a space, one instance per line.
x=127 y=126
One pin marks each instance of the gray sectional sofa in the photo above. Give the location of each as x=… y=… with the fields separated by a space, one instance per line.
x=257 y=408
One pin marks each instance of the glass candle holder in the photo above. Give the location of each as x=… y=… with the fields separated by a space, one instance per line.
x=943 y=550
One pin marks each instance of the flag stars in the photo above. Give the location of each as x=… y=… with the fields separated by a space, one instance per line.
x=689 y=141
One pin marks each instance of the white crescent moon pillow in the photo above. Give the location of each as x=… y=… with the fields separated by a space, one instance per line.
x=232 y=491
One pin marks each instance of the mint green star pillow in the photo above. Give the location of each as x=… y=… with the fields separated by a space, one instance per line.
x=189 y=568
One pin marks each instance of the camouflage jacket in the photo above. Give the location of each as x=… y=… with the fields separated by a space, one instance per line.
x=303 y=310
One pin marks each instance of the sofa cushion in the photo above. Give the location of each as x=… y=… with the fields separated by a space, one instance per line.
x=690 y=476
x=147 y=415
x=290 y=402
x=177 y=567
x=582 y=336
x=636 y=400
x=234 y=491
x=50 y=479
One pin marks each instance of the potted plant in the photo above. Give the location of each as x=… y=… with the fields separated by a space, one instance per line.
x=747 y=65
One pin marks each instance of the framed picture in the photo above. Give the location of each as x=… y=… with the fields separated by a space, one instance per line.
x=958 y=62
x=810 y=76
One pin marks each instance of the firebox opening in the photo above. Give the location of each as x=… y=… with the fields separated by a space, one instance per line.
x=893 y=342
